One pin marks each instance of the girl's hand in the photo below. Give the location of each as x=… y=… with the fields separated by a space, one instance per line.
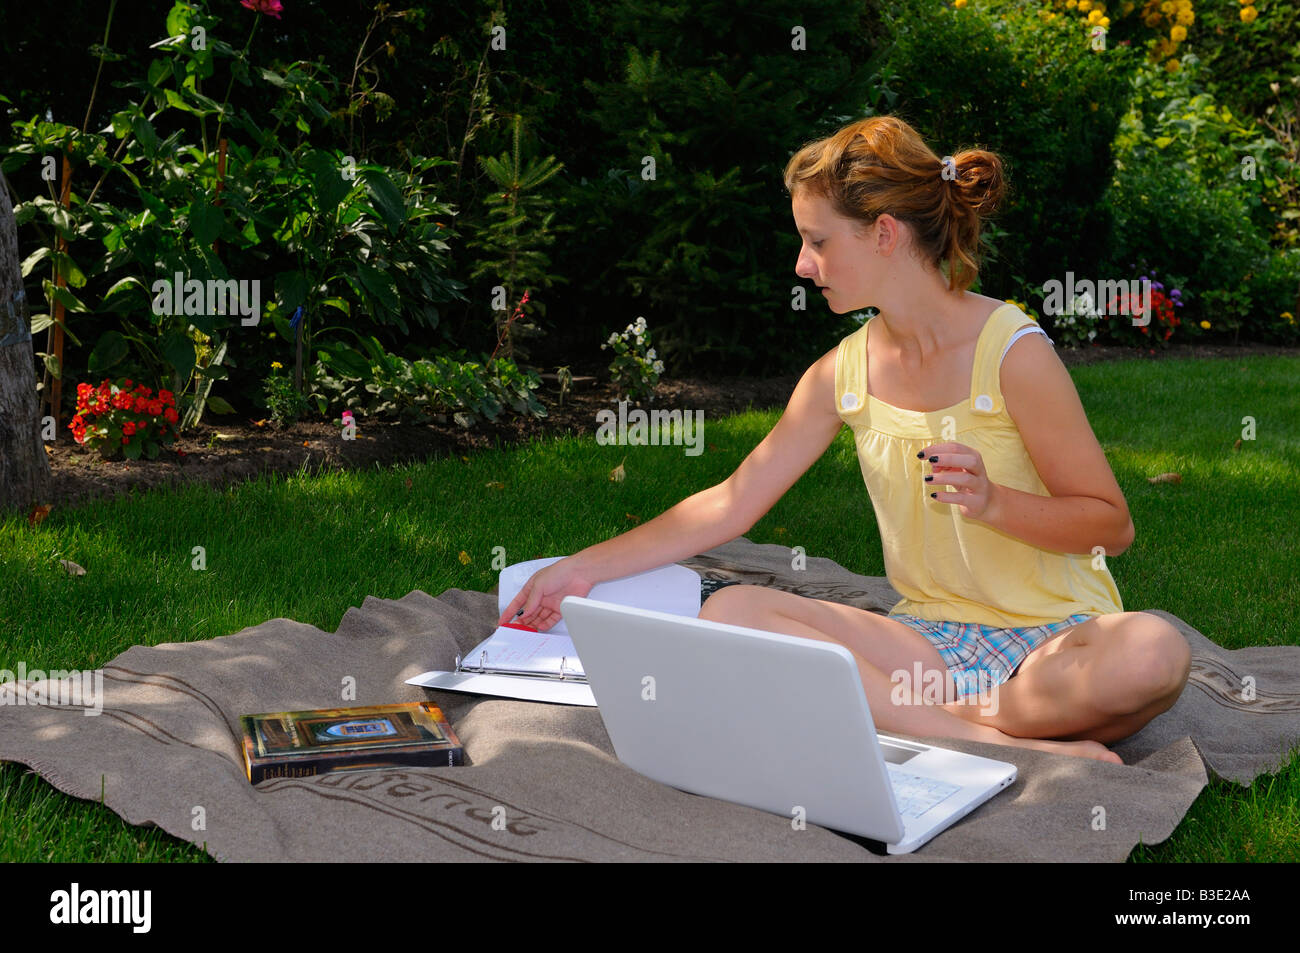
x=961 y=467
x=541 y=595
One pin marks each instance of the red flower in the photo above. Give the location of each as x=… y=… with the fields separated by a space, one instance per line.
x=155 y=407
x=270 y=7
x=171 y=415
x=128 y=428
x=166 y=396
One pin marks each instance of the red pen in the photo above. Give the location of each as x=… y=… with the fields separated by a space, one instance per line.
x=517 y=625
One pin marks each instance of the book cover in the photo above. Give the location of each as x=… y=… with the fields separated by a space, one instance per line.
x=302 y=744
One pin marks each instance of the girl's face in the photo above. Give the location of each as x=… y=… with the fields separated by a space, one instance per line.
x=834 y=256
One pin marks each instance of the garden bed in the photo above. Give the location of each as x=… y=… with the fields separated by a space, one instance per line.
x=245 y=449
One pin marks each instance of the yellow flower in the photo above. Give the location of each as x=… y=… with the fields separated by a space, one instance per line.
x=1248 y=14
x=1246 y=3
x=276 y=365
x=1206 y=325
x=1092 y=106
x=1126 y=9
x=464 y=558
x=959 y=3
x=1094 y=16
x=1290 y=318
x=1171 y=66
x=1085 y=6
x=1152 y=20
x=1167 y=7
x=1178 y=34
x=1104 y=23
x=1071 y=4
x=1186 y=17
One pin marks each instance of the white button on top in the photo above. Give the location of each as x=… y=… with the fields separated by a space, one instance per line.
x=849 y=401
x=983 y=402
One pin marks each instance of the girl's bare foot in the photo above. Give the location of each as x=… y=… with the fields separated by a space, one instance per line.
x=1079 y=749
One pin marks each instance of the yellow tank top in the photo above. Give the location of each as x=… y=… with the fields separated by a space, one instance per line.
x=947 y=567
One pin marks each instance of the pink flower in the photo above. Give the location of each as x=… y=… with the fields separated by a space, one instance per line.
x=271 y=7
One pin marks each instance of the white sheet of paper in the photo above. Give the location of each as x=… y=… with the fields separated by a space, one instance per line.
x=509 y=686
x=670 y=588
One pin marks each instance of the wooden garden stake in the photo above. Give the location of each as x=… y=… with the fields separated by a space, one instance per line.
x=60 y=281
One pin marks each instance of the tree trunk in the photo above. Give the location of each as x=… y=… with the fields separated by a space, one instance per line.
x=25 y=478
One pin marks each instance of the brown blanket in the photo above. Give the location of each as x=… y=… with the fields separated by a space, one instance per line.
x=542 y=782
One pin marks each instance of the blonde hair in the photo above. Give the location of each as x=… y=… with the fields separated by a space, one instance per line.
x=881 y=165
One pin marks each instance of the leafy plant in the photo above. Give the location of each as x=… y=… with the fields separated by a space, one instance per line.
x=635 y=368
x=389 y=385
x=284 y=402
x=510 y=245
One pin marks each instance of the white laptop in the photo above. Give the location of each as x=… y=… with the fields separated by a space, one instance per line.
x=767 y=720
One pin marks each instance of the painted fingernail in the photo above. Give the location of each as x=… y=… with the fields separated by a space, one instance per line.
x=934 y=496
x=920 y=455
x=929 y=478
x=934 y=459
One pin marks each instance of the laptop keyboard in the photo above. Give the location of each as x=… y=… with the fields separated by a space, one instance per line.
x=916 y=795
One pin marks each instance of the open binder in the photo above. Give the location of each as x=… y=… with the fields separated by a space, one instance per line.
x=544 y=666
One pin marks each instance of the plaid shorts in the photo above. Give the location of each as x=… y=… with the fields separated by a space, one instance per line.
x=980 y=657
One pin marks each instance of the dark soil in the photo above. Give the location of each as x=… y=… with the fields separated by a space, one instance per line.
x=245 y=449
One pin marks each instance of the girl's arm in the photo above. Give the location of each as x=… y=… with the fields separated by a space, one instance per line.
x=1087 y=507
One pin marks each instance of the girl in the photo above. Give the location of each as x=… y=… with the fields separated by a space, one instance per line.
x=994 y=500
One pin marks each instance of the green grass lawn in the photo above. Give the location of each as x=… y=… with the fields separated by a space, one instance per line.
x=1218 y=550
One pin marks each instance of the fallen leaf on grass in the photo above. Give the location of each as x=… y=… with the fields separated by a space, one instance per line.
x=618 y=474
x=633 y=518
x=72 y=568
x=38 y=513
x=1237 y=445
x=258 y=423
x=306 y=443
x=496 y=485
x=464 y=558
x=409 y=484
x=1166 y=478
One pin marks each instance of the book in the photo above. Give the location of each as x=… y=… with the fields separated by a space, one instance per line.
x=516 y=661
x=303 y=744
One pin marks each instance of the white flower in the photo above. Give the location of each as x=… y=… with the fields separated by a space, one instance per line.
x=639 y=339
x=613 y=339
x=1091 y=335
x=640 y=323
x=650 y=354
x=659 y=367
